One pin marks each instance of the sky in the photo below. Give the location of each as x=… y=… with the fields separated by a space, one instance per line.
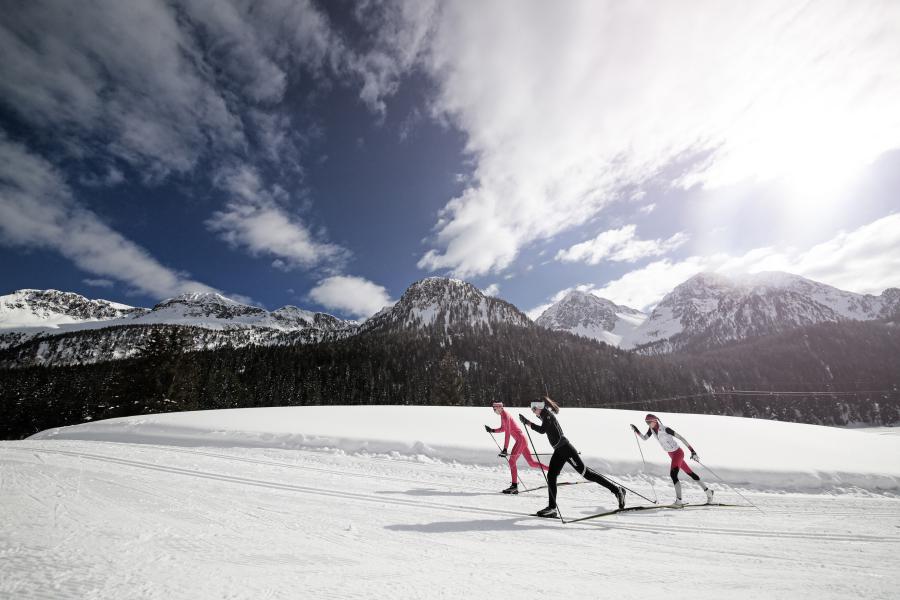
x=329 y=154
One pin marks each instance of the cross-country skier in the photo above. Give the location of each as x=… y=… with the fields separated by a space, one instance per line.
x=520 y=447
x=666 y=437
x=563 y=452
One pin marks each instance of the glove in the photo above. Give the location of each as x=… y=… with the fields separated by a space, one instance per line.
x=694 y=456
x=524 y=419
x=503 y=454
x=488 y=429
x=635 y=429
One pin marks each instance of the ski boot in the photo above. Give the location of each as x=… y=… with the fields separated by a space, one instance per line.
x=512 y=489
x=679 y=503
x=709 y=495
x=549 y=512
x=620 y=496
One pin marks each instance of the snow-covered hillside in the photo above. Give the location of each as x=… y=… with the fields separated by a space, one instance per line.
x=711 y=308
x=366 y=502
x=56 y=328
x=587 y=315
x=26 y=309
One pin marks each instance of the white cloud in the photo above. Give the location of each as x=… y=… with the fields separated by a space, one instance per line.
x=400 y=32
x=164 y=83
x=255 y=218
x=352 y=295
x=491 y=290
x=563 y=112
x=619 y=245
x=537 y=311
x=162 y=87
x=37 y=210
x=110 y=178
x=646 y=210
x=645 y=287
x=129 y=72
x=865 y=260
x=102 y=283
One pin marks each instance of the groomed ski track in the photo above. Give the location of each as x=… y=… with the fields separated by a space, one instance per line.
x=89 y=519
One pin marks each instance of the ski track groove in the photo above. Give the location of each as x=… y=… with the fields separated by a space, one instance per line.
x=606 y=523
x=429 y=466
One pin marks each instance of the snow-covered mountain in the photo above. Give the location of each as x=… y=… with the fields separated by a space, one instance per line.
x=587 y=315
x=51 y=308
x=448 y=304
x=214 y=311
x=710 y=309
x=58 y=328
x=71 y=334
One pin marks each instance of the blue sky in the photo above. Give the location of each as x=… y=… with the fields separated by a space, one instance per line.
x=327 y=155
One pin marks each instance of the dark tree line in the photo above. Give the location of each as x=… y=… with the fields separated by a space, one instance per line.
x=474 y=368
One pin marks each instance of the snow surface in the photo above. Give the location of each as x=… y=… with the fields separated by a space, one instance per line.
x=402 y=502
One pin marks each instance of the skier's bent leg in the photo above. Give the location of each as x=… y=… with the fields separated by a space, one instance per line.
x=530 y=460
x=513 y=459
x=673 y=473
x=556 y=464
x=592 y=475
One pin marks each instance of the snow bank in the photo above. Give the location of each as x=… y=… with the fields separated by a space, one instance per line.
x=750 y=453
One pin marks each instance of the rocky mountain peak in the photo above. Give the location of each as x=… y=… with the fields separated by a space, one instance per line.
x=207 y=304
x=585 y=314
x=449 y=304
x=710 y=309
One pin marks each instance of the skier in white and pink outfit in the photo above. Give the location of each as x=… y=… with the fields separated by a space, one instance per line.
x=509 y=426
x=667 y=437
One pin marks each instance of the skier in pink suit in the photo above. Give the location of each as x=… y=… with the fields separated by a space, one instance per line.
x=509 y=426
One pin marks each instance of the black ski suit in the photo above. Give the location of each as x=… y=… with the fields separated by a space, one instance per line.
x=564 y=452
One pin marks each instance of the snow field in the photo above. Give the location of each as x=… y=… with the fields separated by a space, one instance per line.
x=357 y=505
x=764 y=455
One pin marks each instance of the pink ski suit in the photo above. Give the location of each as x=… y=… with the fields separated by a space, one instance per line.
x=509 y=426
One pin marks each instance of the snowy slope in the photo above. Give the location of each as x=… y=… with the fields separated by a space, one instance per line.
x=401 y=502
x=63 y=328
x=35 y=310
x=712 y=308
x=26 y=309
x=593 y=317
x=785 y=456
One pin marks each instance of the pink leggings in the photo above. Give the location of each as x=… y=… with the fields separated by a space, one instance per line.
x=520 y=448
x=678 y=462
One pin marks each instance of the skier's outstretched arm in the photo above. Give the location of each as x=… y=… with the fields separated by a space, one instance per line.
x=638 y=433
x=680 y=438
x=528 y=423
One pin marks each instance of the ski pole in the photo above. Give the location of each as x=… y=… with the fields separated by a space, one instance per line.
x=631 y=490
x=730 y=486
x=527 y=489
x=530 y=441
x=644 y=470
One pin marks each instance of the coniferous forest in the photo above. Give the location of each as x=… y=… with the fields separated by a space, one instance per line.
x=831 y=374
